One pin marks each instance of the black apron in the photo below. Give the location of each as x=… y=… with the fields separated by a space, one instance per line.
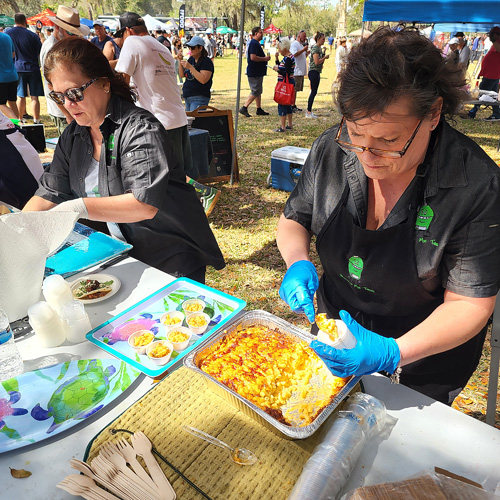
x=17 y=184
x=373 y=275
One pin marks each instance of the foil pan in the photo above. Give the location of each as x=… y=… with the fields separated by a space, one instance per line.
x=195 y=357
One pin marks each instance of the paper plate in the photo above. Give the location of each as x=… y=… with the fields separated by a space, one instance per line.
x=101 y=278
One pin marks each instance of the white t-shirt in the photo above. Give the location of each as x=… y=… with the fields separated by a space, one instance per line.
x=301 y=60
x=152 y=69
x=26 y=150
x=52 y=107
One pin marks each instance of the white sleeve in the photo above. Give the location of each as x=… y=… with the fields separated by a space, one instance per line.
x=127 y=62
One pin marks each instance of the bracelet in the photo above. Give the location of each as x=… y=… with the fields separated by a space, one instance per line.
x=394 y=378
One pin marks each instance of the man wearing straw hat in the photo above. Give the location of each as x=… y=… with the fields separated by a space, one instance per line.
x=66 y=24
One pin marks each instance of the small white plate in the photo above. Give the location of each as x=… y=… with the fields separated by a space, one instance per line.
x=101 y=278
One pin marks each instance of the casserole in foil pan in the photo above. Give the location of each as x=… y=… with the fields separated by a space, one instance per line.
x=252 y=318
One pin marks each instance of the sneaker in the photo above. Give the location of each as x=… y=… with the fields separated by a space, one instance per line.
x=280 y=130
x=492 y=118
x=288 y=127
x=310 y=114
x=208 y=201
x=244 y=112
x=37 y=122
x=27 y=117
x=261 y=112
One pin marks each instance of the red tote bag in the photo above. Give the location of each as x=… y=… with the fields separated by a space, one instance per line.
x=284 y=92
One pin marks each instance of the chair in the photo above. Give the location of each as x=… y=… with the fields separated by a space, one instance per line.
x=494 y=365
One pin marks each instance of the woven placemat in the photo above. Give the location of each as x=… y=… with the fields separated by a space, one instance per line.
x=184 y=399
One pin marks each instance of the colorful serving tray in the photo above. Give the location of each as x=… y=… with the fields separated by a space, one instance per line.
x=113 y=335
x=39 y=404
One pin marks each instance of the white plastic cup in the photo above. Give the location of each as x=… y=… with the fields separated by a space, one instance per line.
x=345 y=339
x=47 y=325
x=76 y=320
x=57 y=292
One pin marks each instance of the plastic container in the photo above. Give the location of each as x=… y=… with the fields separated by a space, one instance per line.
x=140 y=349
x=11 y=362
x=168 y=316
x=48 y=326
x=76 y=319
x=164 y=359
x=345 y=339
x=57 y=292
x=180 y=345
x=200 y=317
x=193 y=305
x=332 y=461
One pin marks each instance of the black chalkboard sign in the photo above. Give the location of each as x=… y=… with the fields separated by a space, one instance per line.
x=219 y=124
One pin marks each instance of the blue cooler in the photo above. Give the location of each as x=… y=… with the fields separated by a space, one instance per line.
x=286 y=166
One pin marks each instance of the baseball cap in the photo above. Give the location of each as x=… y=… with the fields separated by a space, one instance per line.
x=196 y=40
x=453 y=41
x=157 y=27
x=209 y=31
x=128 y=20
x=97 y=22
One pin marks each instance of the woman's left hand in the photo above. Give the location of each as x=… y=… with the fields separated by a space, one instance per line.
x=275 y=67
x=372 y=353
x=187 y=65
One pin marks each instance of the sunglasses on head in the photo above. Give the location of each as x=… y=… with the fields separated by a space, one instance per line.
x=73 y=95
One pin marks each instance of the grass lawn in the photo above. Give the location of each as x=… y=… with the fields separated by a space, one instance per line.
x=246 y=216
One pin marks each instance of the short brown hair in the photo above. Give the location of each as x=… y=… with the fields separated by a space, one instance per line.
x=391 y=64
x=20 y=18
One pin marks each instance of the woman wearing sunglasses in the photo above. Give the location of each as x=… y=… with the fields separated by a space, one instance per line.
x=198 y=71
x=406 y=214
x=114 y=164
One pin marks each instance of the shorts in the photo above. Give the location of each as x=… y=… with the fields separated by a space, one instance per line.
x=31 y=80
x=255 y=83
x=8 y=92
x=299 y=83
x=284 y=110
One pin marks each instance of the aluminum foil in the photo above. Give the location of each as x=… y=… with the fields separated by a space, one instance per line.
x=194 y=359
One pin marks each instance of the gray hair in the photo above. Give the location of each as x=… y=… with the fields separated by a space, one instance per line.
x=284 y=43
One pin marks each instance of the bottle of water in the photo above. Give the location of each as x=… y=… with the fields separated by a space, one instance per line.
x=11 y=362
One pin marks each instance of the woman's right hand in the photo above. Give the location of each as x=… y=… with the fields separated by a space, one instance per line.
x=299 y=286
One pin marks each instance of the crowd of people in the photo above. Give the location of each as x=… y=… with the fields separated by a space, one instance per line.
x=405 y=209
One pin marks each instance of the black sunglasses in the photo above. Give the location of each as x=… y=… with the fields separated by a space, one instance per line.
x=73 y=95
x=377 y=152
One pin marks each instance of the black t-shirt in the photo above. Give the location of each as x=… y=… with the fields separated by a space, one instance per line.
x=192 y=86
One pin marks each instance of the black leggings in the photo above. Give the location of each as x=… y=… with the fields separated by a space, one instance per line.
x=314 y=78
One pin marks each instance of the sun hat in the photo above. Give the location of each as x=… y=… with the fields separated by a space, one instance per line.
x=128 y=20
x=69 y=19
x=196 y=40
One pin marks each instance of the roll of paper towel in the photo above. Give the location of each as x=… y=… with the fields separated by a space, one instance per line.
x=27 y=239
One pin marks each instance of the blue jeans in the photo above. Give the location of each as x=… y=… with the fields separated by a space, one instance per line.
x=195 y=101
x=487 y=84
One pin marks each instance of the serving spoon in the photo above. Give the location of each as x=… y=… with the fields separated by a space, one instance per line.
x=240 y=456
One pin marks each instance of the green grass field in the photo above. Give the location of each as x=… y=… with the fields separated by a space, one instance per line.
x=246 y=216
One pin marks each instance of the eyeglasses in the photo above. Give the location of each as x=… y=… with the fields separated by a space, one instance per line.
x=73 y=95
x=374 y=151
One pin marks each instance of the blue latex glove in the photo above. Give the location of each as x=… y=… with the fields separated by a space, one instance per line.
x=371 y=354
x=299 y=286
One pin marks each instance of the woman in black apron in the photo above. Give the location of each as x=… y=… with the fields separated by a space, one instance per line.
x=406 y=212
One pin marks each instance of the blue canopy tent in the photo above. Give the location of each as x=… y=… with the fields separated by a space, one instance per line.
x=465 y=27
x=432 y=11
